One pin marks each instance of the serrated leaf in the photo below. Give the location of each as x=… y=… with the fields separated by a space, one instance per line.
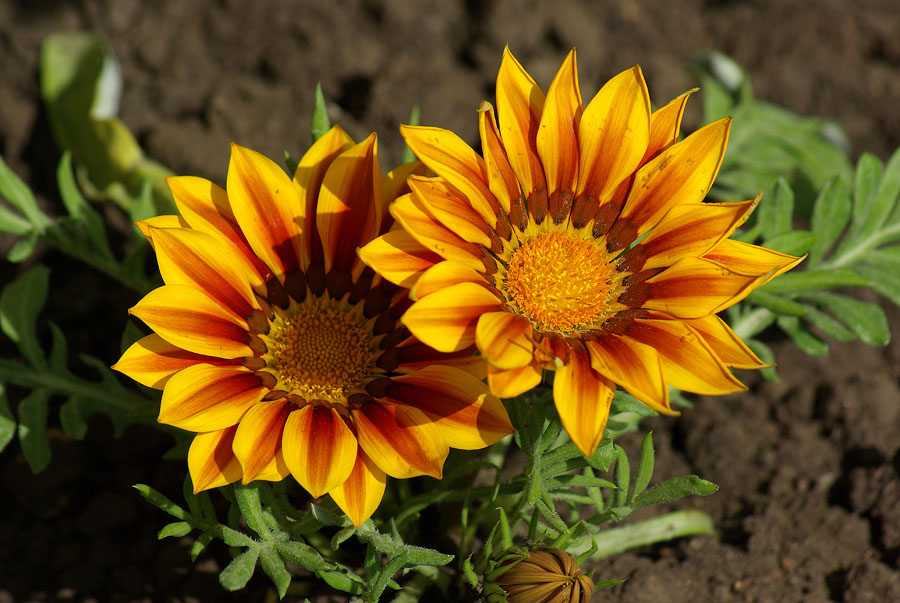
x=674 y=489
x=805 y=340
x=469 y=572
x=7 y=421
x=274 y=568
x=796 y=242
x=175 y=530
x=236 y=575
x=33 y=429
x=301 y=555
x=20 y=304
x=645 y=466
x=320 y=122
x=160 y=501
x=831 y=213
x=71 y=418
x=865 y=319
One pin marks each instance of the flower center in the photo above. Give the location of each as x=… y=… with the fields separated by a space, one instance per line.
x=560 y=282
x=318 y=351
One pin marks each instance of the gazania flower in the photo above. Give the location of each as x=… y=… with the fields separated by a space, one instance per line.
x=577 y=242
x=539 y=575
x=283 y=351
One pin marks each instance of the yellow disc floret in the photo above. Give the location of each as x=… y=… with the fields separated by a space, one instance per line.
x=560 y=282
x=318 y=351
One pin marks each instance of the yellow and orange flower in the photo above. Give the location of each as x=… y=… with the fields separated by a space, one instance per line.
x=283 y=351
x=577 y=242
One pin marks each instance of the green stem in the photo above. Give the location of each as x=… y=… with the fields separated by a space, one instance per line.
x=649 y=531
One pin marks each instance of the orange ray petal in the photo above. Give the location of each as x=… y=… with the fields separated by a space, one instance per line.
x=211 y=462
x=582 y=399
x=152 y=360
x=696 y=287
x=504 y=339
x=665 y=123
x=458 y=403
x=680 y=174
x=450 y=209
x=634 y=366
x=398 y=257
x=443 y=274
x=205 y=206
x=613 y=135
x=745 y=258
x=266 y=206
x=691 y=229
x=688 y=362
x=196 y=259
x=446 y=319
x=455 y=161
x=319 y=448
x=520 y=102
x=259 y=435
x=206 y=398
x=725 y=343
x=190 y=319
x=362 y=492
x=414 y=355
x=276 y=469
x=501 y=178
x=412 y=214
x=308 y=181
x=513 y=382
x=348 y=213
x=557 y=141
x=401 y=440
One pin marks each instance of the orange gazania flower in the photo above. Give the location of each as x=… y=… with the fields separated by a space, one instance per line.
x=282 y=350
x=578 y=242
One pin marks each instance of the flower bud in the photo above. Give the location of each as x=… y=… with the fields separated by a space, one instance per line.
x=543 y=575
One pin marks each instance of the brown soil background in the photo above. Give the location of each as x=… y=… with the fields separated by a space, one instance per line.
x=809 y=468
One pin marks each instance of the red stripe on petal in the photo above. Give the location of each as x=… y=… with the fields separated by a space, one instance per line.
x=211 y=461
x=152 y=360
x=362 y=491
x=258 y=436
x=206 y=398
x=583 y=400
x=400 y=440
x=319 y=448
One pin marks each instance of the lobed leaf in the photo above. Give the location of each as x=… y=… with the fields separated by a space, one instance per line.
x=236 y=575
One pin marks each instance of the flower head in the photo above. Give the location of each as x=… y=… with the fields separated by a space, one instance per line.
x=283 y=351
x=577 y=242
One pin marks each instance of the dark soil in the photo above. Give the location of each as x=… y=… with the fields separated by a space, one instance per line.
x=809 y=468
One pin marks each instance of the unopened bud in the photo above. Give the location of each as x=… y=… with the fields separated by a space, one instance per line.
x=542 y=575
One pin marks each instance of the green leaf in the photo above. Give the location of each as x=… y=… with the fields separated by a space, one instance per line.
x=7 y=421
x=33 y=429
x=674 y=489
x=876 y=211
x=239 y=571
x=387 y=572
x=201 y=543
x=505 y=535
x=815 y=280
x=344 y=581
x=233 y=537
x=273 y=565
x=176 y=530
x=20 y=303
x=469 y=572
x=796 y=242
x=17 y=193
x=776 y=303
x=805 y=340
x=831 y=213
x=302 y=555
x=320 y=122
x=622 y=478
x=12 y=223
x=828 y=325
x=645 y=466
x=158 y=500
x=247 y=497
x=23 y=248
x=82 y=213
x=341 y=536
x=866 y=179
x=420 y=556
x=72 y=419
x=775 y=215
x=867 y=320
x=765 y=354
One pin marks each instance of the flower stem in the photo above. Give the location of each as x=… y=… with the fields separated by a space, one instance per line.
x=676 y=524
